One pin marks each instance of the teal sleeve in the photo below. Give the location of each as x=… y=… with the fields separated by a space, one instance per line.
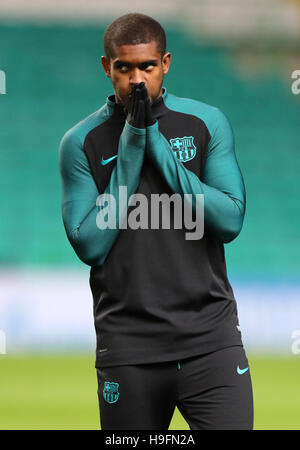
x=79 y=192
x=222 y=182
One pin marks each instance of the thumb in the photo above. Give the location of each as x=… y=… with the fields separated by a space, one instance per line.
x=141 y=114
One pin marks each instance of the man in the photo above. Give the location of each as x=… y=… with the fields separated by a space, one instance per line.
x=165 y=314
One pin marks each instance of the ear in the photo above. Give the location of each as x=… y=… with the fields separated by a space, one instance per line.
x=106 y=65
x=166 y=60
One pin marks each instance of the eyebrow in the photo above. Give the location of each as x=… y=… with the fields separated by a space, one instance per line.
x=150 y=62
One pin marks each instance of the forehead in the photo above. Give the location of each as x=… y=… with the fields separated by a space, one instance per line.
x=136 y=53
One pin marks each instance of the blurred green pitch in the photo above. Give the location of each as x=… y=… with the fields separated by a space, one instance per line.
x=60 y=392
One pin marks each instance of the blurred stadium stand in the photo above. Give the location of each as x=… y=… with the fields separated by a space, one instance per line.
x=226 y=21
x=237 y=55
x=236 y=21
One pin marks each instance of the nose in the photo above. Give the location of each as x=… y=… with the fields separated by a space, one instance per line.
x=136 y=76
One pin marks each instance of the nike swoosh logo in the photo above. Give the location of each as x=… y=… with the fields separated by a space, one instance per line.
x=106 y=161
x=241 y=371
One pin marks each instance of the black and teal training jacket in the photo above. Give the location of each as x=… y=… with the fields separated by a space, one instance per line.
x=157 y=296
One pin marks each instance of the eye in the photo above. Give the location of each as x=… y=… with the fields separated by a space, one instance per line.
x=149 y=68
x=123 y=69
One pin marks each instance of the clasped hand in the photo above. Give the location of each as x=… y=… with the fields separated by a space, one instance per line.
x=139 y=113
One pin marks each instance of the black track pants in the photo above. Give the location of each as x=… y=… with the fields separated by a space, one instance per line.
x=212 y=392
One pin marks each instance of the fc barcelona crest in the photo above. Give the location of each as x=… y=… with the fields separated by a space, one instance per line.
x=184 y=148
x=110 y=392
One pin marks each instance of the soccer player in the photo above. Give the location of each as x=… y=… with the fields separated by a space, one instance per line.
x=165 y=314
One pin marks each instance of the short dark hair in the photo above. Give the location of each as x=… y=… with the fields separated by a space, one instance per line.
x=133 y=29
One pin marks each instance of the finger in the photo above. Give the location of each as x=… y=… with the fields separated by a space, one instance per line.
x=133 y=91
x=147 y=105
x=136 y=102
x=137 y=95
x=131 y=99
x=141 y=114
x=134 y=87
x=144 y=92
x=148 y=114
x=149 y=118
